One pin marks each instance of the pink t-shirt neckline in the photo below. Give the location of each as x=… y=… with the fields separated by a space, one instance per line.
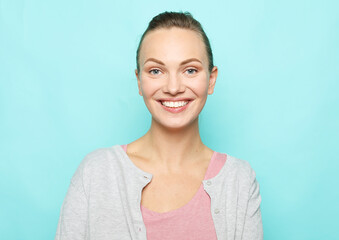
x=210 y=172
x=147 y=212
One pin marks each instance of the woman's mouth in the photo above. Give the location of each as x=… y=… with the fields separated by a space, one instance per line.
x=174 y=106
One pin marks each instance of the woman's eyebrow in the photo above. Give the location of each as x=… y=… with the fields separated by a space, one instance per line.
x=154 y=60
x=182 y=63
x=190 y=60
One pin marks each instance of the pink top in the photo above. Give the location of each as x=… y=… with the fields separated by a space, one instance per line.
x=191 y=221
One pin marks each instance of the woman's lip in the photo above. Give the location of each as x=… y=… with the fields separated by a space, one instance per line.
x=174 y=99
x=175 y=109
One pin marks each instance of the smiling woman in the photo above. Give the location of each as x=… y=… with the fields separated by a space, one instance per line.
x=167 y=184
x=176 y=58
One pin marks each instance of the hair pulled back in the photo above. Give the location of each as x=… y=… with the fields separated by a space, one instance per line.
x=182 y=20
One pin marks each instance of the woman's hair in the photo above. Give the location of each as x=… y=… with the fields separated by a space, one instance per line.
x=181 y=20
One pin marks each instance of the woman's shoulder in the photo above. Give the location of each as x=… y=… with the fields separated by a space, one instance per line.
x=238 y=168
x=98 y=163
x=101 y=158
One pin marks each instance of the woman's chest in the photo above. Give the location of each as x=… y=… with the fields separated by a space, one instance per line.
x=168 y=192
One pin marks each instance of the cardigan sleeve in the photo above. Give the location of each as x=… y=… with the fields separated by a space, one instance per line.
x=253 y=229
x=73 y=215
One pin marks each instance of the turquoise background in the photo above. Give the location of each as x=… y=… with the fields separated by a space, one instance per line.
x=67 y=87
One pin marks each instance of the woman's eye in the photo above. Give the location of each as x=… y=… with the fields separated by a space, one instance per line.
x=191 y=71
x=154 y=71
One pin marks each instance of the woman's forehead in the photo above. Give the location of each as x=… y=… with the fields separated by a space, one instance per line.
x=173 y=43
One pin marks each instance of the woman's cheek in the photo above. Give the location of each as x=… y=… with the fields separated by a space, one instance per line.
x=200 y=86
x=150 y=86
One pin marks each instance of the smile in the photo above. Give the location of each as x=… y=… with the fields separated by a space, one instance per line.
x=175 y=104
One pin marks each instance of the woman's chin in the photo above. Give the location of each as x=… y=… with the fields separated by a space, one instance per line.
x=175 y=124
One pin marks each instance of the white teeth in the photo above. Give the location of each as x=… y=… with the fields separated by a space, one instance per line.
x=174 y=104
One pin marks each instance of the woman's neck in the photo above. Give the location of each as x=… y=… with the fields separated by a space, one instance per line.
x=172 y=147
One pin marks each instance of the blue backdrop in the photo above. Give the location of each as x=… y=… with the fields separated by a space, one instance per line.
x=67 y=87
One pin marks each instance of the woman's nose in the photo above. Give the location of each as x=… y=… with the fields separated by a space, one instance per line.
x=174 y=85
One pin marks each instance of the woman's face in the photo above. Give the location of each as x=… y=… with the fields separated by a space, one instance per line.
x=174 y=79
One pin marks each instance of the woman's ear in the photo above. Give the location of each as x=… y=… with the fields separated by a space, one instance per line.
x=138 y=78
x=212 y=80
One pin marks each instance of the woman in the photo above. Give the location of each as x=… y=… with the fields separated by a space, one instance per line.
x=166 y=184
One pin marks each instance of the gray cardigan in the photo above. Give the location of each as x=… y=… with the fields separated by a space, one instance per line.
x=103 y=200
